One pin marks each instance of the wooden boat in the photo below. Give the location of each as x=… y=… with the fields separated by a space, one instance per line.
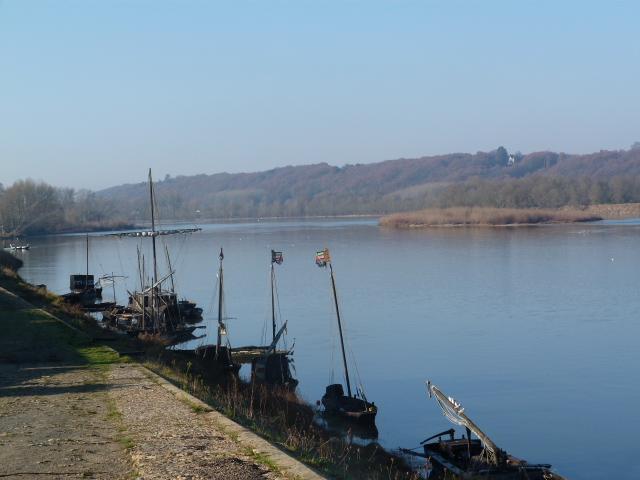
x=154 y=309
x=273 y=366
x=351 y=407
x=83 y=288
x=218 y=356
x=19 y=246
x=466 y=458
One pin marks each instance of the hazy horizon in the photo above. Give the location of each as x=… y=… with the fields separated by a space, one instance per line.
x=93 y=94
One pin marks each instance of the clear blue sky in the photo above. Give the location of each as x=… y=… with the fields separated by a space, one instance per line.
x=93 y=93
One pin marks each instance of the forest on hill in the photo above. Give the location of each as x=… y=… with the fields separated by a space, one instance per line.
x=491 y=179
x=496 y=178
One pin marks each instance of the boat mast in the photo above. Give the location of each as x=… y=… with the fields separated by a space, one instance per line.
x=344 y=355
x=141 y=273
x=86 y=277
x=455 y=413
x=153 y=243
x=166 y=251
x=273 y=304
x=220 y=324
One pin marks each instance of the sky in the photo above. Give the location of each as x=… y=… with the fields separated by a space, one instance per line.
x=93 y=93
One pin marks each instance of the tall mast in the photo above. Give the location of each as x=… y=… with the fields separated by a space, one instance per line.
x=153 y=229
x=273 y=304
x=153 y=243
x=220 y=324
x=344 y=355
x=86 y=278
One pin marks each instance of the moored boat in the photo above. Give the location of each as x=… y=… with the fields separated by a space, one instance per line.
x=353 y=407
x=273 y=366
x=19 y=246
x=218 y=356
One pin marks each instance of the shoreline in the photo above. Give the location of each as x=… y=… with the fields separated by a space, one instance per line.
x=595 y=212
x=295 y=437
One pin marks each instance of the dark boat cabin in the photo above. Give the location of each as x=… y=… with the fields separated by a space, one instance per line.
x=81 y=282
x=168 y=299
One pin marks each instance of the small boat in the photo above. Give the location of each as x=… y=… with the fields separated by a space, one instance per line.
x=84 y=289
x=351 y=407
x=19 y=246
x=471 y=459
x=273 y=366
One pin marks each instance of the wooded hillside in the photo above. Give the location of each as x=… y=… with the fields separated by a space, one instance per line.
x=541 y=179
x=488 y=179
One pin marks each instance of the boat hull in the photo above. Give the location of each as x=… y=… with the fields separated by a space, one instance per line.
x=348 y=408
x=273 y=369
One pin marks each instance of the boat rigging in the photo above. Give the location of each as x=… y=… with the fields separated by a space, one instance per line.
x=351 y=407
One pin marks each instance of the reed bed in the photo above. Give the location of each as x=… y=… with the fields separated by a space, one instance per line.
x=484 y=216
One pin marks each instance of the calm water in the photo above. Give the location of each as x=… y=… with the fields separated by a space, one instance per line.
x=534 y=330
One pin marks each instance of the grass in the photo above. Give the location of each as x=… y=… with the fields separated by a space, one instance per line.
x=115 y=417
x=262 y=459
x=484 y=216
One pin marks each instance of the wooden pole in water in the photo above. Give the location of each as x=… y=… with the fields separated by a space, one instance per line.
x=344 y=355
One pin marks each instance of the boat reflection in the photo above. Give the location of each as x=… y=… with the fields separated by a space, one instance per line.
x=358 y=434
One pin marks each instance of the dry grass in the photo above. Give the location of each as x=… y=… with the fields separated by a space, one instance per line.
x=484 y=216
x=283 y=418
x=614 y=210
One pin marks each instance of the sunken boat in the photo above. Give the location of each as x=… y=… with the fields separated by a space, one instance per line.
x=467 y=458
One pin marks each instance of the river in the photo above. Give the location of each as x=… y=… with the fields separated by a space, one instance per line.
x=533 y=329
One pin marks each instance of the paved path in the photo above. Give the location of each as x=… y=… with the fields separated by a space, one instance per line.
x=54 y=423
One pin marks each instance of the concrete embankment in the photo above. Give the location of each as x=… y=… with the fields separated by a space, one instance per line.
x=69 y=407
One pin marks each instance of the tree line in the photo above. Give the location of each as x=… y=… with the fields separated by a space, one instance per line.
x=29 y=208
x=538 y=191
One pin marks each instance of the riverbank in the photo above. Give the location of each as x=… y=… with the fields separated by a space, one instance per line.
x=280 y=417
x=93 y=227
